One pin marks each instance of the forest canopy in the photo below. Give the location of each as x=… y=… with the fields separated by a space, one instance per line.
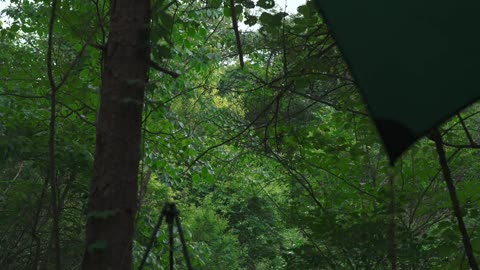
x=111 y=109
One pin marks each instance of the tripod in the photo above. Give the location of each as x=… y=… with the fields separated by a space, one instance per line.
x=171 y=215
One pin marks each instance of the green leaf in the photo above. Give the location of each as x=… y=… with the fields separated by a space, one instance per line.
x=160 y=164
x=15 y=27
x=249 y=4
x=196 y=178
x=167 y=19
x=210 y=179
x=266 y=4
x=187 y=44
x=476 y=244
x=226 y=12
x=250 y=20
x=238 y=10
x=446 y=250
x=214 y=3
x=270 y=20
x=27 y=29
x=162 y=52
x=304 y=10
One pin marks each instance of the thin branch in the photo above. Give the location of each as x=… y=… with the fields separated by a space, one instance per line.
x=231 y=138
x=80 y=116
x=72 y=66
x=233 y=13
x=23 y=96
x=325 y=102
x=299 y=176
x=460 y=146
x=455 y=124
x=35 y=237
x=50 y=47
x=347 y=182
x=307 y=235
x=100 y=19
x=15 y=177
x=467 y=133
x=51 y=177
x=425 y=190
x=214 y=29
x=163 y=70
x=56 y=101
x=158 y=133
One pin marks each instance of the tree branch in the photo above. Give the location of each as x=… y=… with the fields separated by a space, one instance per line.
x=467 y=132
x=267 y=107
x=453 y=197
x=233 y=13
x=163 y=70
x=51 y=177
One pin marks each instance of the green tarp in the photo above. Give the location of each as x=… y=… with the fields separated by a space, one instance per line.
x=416 y=62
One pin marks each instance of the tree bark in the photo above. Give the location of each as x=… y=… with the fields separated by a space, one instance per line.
x=113 y=192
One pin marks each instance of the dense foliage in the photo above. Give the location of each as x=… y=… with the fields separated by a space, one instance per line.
x=275 y=165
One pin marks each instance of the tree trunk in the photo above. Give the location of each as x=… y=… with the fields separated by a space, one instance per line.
x=113 y=193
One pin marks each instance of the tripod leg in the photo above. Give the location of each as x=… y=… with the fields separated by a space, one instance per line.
x=170 y=242
x=152 y=238
x=184 y=244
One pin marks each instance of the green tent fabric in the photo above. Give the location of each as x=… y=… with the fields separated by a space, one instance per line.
x=416 y=62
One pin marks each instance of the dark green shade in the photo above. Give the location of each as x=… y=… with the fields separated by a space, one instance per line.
x=416 y=63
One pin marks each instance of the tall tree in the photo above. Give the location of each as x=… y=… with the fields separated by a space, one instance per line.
x=113 y=193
